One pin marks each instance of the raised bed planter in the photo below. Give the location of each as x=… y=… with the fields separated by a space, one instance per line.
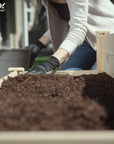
x=70 y=137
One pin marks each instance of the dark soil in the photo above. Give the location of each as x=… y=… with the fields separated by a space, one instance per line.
x=54 y=102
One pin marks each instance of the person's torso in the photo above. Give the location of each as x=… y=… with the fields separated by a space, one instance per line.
x=100 y=16
x=62 y=10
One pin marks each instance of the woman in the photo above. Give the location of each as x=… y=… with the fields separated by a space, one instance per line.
x=71 y=34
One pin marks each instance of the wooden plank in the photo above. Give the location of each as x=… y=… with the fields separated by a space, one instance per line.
x=108 y=54
x=100 y=35
x=14 y=71
x=108 y=44
x=77 y=73
x=12 y=74
x=60 y=137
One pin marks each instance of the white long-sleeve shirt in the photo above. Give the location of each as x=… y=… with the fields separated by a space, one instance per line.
x=87 y=16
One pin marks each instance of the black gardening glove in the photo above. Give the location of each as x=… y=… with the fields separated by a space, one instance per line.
x=46 y=68
x=35 y=49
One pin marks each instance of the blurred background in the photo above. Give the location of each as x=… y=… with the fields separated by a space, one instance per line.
x=20 y=25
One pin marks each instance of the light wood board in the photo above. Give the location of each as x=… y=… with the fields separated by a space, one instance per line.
x=108 y=54
x=77 y=73
x=60 y=137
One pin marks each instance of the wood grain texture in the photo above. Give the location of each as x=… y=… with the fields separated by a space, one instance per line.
x=108 y=54
x=76 y=137
x=77 y=73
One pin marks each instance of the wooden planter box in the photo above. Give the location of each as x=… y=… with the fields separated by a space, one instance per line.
x=105 y=63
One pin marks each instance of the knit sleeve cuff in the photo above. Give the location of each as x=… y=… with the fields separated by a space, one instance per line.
x=69 y=46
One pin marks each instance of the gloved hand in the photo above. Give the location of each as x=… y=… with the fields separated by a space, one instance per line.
x=46 y=68
x=35 y=49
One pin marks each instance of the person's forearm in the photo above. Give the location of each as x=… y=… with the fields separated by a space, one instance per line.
x=61 y=54
x=45 y=40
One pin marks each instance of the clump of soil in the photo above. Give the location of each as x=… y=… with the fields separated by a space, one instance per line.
x=57 y=102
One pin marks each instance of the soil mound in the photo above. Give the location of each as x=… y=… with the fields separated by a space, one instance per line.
x=57 y=102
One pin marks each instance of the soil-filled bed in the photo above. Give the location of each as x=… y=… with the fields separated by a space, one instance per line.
x=57 y=102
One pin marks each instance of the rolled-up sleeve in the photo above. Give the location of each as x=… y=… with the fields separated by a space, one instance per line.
x=78 y=25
